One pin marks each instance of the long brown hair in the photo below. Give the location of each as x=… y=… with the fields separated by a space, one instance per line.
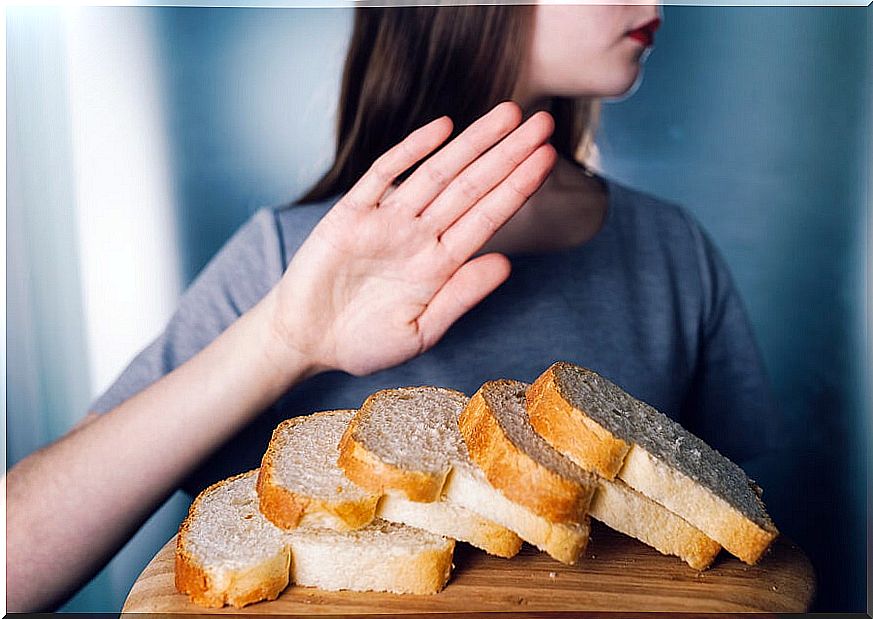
x=407 y=66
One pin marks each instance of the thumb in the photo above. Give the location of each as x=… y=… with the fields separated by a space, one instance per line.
x=471 y=283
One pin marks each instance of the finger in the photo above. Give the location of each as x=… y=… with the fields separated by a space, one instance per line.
x=471 y=283
x=436 y=173
x=487 y=171
x=379 y=177
x=479 y=224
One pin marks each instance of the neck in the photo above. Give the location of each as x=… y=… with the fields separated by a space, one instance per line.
x=567 y=211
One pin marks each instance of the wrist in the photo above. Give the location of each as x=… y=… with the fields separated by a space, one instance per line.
x=283 y=345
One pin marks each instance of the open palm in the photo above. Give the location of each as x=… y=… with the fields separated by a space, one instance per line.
x=389 y=269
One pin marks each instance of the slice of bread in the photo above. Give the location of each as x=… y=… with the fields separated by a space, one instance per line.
x=300 y=483
x=383 y=556
x=403 y=440
x=447 y=518
x=604 y=429
x=518 y=461
x=403 y=443
x=621 y=508
x=226 y=551
x=468 y=487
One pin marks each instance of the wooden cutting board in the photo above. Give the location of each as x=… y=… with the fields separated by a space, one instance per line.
x=616 y=574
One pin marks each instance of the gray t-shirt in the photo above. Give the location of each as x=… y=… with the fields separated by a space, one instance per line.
x=648 y=302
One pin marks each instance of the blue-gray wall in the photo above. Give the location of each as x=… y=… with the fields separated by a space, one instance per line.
x=757 y=120
x=250 y=101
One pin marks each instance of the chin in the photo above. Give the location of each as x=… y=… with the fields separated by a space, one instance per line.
x=623 y=83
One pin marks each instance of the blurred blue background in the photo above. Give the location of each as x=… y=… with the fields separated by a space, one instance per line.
x=758 y=120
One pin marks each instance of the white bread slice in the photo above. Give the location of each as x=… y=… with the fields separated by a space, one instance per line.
x=516 y=478
x=226 y=551
x=468 y=487
x=403 y=443
x=517 y=461
x=448 y=518
x=300 y=483
x=604 y=429
x=627 y=511
x=383 y=556
x=403 y=440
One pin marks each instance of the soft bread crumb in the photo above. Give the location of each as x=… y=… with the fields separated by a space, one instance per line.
x=228 y=530
x=305 y=454
x=391 y=427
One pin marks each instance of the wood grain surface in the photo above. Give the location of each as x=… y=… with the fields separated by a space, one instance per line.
x=617 y=573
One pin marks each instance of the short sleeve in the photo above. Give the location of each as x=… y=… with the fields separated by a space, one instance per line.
x=730 y=404
x=236 y=278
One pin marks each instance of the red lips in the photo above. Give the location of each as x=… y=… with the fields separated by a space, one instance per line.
x=645 y=34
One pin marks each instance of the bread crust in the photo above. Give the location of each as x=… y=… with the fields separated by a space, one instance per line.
x=193 y=580
x=238 y=588
x=369 y=471
x=570 y=431
x=288 y=510
x=518 y=476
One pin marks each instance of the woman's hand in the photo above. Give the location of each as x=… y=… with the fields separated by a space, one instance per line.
x=388 y=270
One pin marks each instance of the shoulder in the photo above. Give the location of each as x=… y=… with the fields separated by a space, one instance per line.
x=662 y=221
x=671 y=239
x=662 y=231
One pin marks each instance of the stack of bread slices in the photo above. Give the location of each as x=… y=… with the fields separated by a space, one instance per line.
x=374 y=499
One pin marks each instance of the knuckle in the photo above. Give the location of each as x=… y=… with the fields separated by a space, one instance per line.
x=381 y=171
x=489 y=222
x=515 y=159
x=468 y=187
x=516 y=190
x=437 y=176
x=453 y=255
x=392 y=202
x=407 y=150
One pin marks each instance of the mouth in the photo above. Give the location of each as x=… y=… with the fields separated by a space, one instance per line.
x=645 y=34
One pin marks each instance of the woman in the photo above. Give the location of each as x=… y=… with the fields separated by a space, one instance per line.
x=396 y=271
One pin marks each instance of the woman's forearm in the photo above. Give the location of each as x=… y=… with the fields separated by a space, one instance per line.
x=102 y=480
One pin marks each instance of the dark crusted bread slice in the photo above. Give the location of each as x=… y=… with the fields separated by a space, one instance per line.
x=226 y=551
x=616 y=433
x=300 y=483
x=383 y=556
x=517 y=461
